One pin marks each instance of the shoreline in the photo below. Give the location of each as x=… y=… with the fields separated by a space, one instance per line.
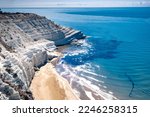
x=47 y=84
x=28 y=41
x=25 y=55
x=51 y=78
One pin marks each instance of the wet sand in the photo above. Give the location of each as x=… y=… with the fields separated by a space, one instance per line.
x=47 y=84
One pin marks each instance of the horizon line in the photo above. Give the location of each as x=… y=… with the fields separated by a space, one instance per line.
x=79 y=7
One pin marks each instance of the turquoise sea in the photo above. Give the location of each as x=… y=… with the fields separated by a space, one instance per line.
x=115 y=57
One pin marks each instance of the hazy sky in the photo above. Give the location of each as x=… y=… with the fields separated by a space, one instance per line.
x=73 y=3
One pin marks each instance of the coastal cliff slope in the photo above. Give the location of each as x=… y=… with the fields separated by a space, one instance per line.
x=27 y=42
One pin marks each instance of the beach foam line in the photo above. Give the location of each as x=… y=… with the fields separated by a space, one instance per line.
x=83 y=86
x=96 y=90
x=89 y=94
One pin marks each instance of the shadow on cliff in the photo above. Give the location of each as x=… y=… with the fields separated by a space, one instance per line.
x=100 y=48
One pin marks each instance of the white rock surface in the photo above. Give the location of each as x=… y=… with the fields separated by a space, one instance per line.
x=27 y=42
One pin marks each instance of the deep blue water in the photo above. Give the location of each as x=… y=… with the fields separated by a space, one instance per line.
x=117 y=51
x=113 y=12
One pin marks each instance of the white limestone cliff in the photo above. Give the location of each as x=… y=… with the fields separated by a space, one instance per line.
x=27 y=42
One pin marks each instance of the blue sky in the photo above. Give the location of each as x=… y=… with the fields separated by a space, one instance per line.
x=73 y=3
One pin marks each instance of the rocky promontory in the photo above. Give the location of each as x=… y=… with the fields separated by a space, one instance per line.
x=28 y=42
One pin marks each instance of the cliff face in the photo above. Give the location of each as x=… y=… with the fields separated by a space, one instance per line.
x=27 y=42
x=38 y=27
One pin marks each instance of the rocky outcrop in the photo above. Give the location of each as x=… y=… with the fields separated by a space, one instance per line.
x=38 y=27
x=27 y=42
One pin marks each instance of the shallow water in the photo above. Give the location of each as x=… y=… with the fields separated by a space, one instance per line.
x=116 y=57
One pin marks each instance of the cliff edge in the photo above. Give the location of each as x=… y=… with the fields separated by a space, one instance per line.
x=27 y=42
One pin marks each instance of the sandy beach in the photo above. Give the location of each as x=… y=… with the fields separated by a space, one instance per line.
x=47 y=84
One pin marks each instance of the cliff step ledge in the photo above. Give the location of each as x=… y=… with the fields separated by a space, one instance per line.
x=27 y=42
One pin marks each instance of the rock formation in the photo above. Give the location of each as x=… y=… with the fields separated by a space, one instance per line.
x=27 y=42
